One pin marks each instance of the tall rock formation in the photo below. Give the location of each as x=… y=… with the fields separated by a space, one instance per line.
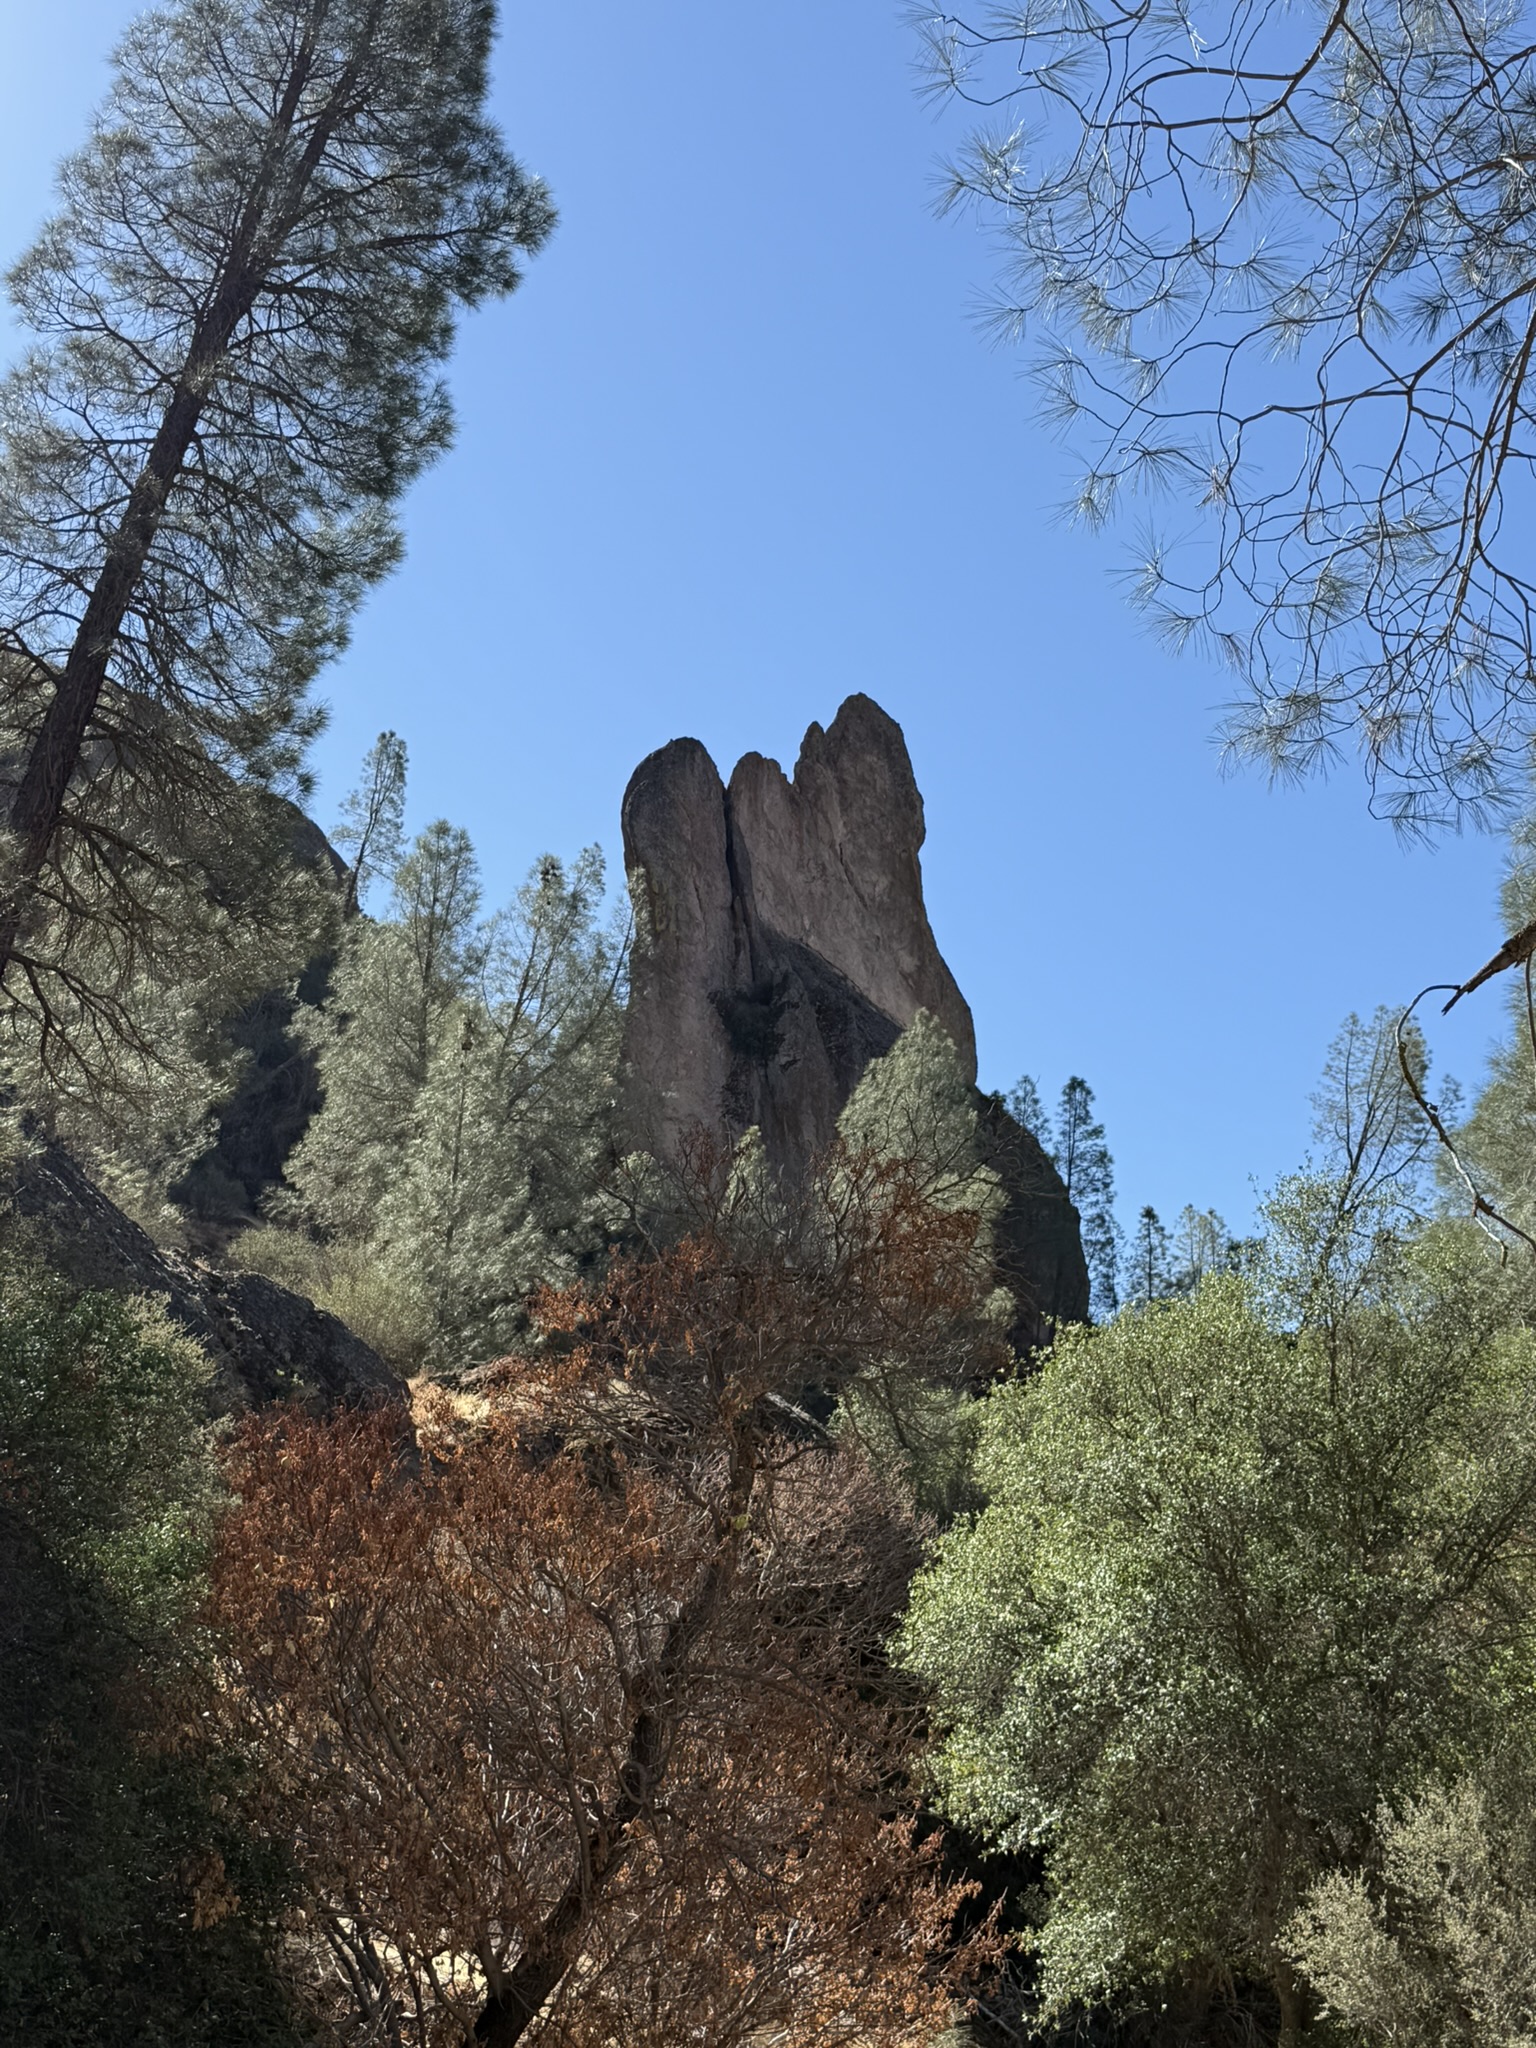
x=782 y=943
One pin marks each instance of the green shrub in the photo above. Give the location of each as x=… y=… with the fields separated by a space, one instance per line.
x=130 y=1910
x=1439 y=1948
x=351 y=1280
x=1250 y=1564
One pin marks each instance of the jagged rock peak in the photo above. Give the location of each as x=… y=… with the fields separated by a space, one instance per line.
x=782 y=944
x=782 y=937
x=831 y=859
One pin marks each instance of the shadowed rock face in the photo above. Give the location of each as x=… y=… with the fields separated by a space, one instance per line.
x=782 y=943
x=264 y=1343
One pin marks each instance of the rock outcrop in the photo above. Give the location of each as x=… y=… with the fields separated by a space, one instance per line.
x=264 y=1342
x=781 y=944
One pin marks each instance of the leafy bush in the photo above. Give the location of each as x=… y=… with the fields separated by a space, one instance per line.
x=347 y=1278
x=129 y=1909
x=1250 y=1564
x=1442 y=1948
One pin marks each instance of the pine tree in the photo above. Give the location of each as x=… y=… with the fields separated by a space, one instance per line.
x=393 y=988
x=1084 y=1163
x=372 y=817
x=1148 y=1268
x=1027 y=1110
x=500 y=1192
x=1076 y=1146
x=239 y=309
x=468 y=1069
x=136 y=1101
x=1201 y=1244
x=916 y=1104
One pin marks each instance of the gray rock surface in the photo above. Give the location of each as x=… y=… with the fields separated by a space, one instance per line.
x=678 y=1059
x=781 y=944
x=830 y=862
x=782 y=939
x=264 y=1342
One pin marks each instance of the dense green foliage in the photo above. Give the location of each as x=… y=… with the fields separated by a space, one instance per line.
x=1441 y=1951
x=468 y=1066
x=1250 y=1563
x=130 y=1909
x=915 y=1105
x=239 y=312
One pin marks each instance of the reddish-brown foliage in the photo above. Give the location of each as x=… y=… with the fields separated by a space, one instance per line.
x=572 y=1727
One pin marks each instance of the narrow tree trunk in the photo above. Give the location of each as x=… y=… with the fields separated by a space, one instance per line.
x=1293 y=2016
x=55 y=752
x=509 y=2012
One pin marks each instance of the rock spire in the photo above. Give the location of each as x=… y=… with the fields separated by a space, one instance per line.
x=782 y=943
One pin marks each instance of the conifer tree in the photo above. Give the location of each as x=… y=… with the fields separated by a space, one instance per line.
x=1201 y=1244
x=468 y=1069
x=392 y=991
x=373 y=815
x=1025 y=1107
x=1148 y=1265
x=1085 y=1165
x=1076 y=1146
x=915 y=1104
x=134 y=1092
x=1277 y=265
x=916 y=1107
x=500 y=1192
x=240 y=309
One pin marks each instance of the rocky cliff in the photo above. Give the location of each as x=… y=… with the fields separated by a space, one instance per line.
x=782 y=943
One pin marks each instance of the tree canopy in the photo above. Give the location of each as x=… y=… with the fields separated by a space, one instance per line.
x=238 y=311
x=1249 y=1563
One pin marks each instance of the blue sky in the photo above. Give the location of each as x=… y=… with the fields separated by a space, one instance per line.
x=736 y=449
